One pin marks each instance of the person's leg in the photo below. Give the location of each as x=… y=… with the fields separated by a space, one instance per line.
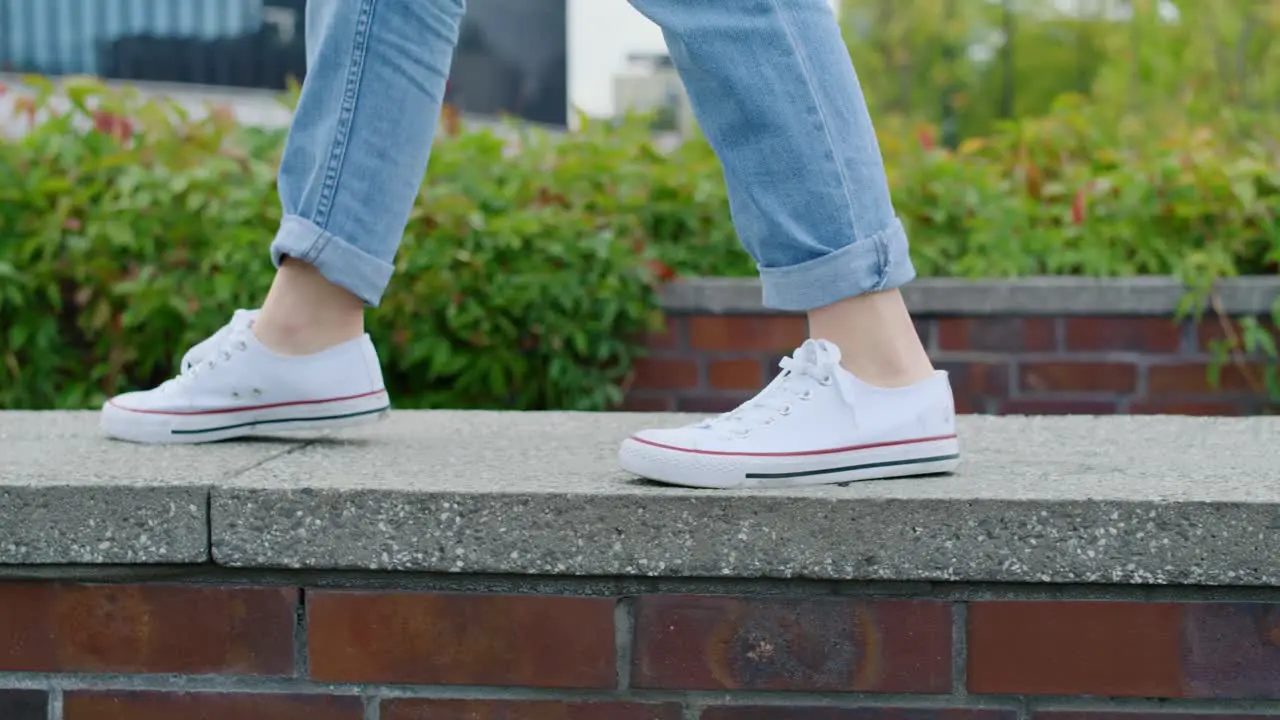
x=353 y=162
x=773 y=89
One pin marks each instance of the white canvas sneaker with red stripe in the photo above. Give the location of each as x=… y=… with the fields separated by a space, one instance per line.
x=815 y=424
x=231 y=386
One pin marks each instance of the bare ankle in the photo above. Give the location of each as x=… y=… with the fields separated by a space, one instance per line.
x=877 y=339
x=304 y=313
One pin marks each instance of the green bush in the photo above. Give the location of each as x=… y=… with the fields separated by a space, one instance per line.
x=123 y=242
x=128 y=231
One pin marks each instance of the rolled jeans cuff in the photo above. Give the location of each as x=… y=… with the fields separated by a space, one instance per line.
x=342 y=263
x=873 y=264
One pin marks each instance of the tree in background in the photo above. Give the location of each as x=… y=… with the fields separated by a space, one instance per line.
x=966 y=64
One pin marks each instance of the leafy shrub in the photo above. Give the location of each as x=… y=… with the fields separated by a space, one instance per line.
x=123 y=242
x=128 y=231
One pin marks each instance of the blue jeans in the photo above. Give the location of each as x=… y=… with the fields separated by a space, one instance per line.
x=771 y=85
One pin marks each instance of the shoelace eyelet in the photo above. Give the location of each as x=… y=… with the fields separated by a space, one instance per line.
x=806 y=395
x=826 y=381
x=786 y=410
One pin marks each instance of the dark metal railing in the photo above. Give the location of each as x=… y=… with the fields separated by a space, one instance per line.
x=511 y=57
x=238 y=43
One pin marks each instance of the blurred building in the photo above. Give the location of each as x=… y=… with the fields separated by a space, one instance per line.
x=511 y=57
x=650 y=84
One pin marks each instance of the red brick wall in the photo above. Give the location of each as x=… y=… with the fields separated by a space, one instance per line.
x=1001 y=365
x=160 y=652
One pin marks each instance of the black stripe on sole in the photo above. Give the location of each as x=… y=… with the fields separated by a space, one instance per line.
x=847 y=468
x=237 y=426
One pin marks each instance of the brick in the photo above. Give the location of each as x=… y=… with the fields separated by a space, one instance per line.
x=653 y=373
x=447 y=639
x=736 y=374
x=977 y=378
x=1053 y=406
x=782 y=712
x=527 y=710
x=1231 y=650
x=1202 y=408
x=647 y=401
x=1193 y=379
x=1078 y=377
x=1211 y=330
x=1120 y=649
x=708 y=403
x=208 y=706
x=668 y=338
x=24 y=705
x=822 y=645
x=976 y=384
x=747 y=333
x=996 y=334
x=51 y=627
x=1133 y=334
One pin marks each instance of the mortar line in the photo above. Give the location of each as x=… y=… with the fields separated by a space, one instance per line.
x=697 y=698
x=301 y=649
x=624 y=623
x=1059 y=325
x=372 y=707
x=960 y=649
x=54 y=701
x=416 y=581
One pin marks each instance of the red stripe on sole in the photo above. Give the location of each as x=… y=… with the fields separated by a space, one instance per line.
x=826 y=451
x=250 y=408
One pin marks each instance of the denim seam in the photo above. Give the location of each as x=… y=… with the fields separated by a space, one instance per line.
x=316 y=246
x=824 y=124
x=883 y=259
x=350 y=98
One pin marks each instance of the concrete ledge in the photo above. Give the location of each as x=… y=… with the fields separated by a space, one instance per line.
x=1122 y=500
x=69 y=497
x=1025 y=296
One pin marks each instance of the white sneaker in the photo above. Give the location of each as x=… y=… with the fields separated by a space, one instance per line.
x=231 y=386
x=815 y=424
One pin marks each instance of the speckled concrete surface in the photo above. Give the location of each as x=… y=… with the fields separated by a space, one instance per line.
x=1126 y=500
x=69 y=496
x=1071 y=500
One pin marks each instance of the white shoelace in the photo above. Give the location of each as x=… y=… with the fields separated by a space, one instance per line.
x=232 y=342
x=217 y=349
x=814 y=365
x=240 y=320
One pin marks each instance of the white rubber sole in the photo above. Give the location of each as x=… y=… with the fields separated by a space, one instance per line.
x=881 y=461
x=189 y=428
